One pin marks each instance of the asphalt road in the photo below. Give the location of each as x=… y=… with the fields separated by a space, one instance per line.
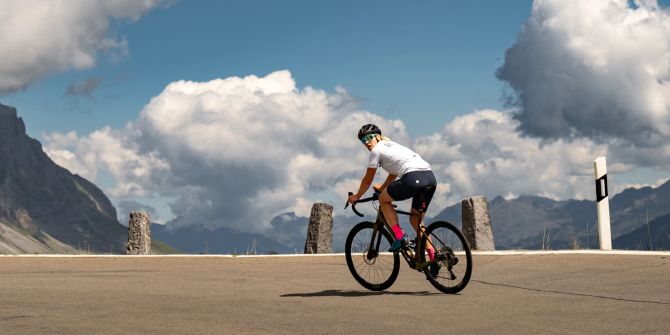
x=523 y=294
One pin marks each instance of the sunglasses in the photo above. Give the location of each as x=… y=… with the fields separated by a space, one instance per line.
x=367 y=138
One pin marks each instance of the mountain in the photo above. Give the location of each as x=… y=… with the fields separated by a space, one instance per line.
x=531 y=222
x=628 y=209
x=655 y=236
x=287 y=235
x=43 y=207
x=198 y=239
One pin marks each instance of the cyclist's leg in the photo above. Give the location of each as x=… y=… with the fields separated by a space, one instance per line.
x=427 y=184
x=386 y=204
x=395 y=191
x=415 y=220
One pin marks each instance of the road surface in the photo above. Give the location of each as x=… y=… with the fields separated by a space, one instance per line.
x=520 y=294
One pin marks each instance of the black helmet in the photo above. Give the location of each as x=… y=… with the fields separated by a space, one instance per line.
x=368 y=129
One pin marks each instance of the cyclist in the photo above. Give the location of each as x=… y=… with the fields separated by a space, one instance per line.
x=417 y=181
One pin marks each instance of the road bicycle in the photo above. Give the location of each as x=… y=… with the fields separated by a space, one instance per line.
x=376 y=269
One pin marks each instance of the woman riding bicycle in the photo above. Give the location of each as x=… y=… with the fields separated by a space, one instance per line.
x=417 y=181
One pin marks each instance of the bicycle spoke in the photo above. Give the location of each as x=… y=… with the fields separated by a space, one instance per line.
x=362 y=261
x=452 y=256
x=367 y=272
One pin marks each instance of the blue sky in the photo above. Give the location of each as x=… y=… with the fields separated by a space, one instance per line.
x=422 y=62
x=430 y=64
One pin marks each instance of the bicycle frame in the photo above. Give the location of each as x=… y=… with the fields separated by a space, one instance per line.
x=373 y=248
x=406 y=252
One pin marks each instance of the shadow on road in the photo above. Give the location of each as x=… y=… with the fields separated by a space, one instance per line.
x=13 y=317
x=340 y=293
x=573 y=293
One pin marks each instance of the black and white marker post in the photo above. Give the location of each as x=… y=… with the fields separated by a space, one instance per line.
x=604 y=233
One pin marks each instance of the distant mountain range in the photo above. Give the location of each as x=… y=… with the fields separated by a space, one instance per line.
x=531 y=222
x=46 y=209
x=652 y=236
x=288 y=233
x=289 y=237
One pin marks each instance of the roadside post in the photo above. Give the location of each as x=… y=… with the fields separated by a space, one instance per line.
x=604 y=228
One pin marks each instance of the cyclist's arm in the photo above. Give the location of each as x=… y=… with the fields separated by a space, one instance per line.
x=366 y=182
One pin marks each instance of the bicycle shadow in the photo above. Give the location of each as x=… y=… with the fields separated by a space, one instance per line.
x=353 y=294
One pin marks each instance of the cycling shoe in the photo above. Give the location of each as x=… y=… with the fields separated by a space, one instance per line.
x=397 y=245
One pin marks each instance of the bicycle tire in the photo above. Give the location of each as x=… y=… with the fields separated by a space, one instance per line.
x=383 y=273
x=448 y=242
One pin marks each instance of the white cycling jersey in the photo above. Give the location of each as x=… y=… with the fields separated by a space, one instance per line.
x=396 y=159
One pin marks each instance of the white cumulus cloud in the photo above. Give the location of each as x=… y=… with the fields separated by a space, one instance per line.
x=482 y=153
x=46 y=36
x=598 y=69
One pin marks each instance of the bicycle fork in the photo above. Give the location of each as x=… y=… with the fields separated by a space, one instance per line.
x=375 y=241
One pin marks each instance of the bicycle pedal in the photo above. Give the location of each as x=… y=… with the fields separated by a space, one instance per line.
x=412 y=243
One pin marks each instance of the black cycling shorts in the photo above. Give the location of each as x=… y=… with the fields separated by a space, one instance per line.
x=418 y=185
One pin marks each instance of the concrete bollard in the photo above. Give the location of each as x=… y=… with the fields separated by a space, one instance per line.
x=320 y=230
x=477 y=224
x=139 y=234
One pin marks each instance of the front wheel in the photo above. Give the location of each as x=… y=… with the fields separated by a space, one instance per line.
x=367 y=257
x=453 y=260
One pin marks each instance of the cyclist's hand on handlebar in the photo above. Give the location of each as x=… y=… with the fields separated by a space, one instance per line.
x=353 y=198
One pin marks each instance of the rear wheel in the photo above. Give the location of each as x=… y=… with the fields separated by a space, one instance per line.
x=367 y=257
x=452 y=255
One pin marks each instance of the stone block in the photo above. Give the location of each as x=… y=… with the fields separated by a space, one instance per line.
x=320 y=230
x=477 y=224
x=139 y=234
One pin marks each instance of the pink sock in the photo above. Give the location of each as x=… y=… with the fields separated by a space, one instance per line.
x=397 y=232
x=431 y=254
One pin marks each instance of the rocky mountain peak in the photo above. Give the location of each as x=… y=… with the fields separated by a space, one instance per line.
x=10 y=124
x=17 y=150
x=40 y=197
